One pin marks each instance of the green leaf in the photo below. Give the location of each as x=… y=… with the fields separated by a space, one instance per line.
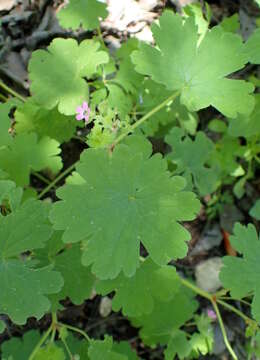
x=246 y=126
x=50 y=352
x=20 y=348
x=30 y=117
x=151 y=95
x=24 y=289
x=134 y=200
x=11 y=194
x=217 y=125
x=85 y=13
x=166 y=318
x=57 y=75
x=191 y=158
x=242 y=275
x=253 y=47
x=231 y=23
x=183 y=65
x=25 y=153
x=5 y=122
x=255 y=210
x=78 y=280
x=178 y=345
x=136 y=295
x=125 y=349
x=103 y=350
x=2 y=326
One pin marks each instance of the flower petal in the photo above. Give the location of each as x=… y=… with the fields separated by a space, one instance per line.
x=79 y=117
x=79 y=109
x=85 y=106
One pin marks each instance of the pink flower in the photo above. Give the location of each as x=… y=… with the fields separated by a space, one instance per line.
x=83 y=112
x=211 y=314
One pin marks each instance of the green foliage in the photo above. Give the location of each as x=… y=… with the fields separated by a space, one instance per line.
x=253 y=47
x=255 y=210
x=24 y=289
x=158 y=326
x=78 y=280
x=20 y=348
x=85 y=13
x=191 y=69
x=30 y=117
x=191 y=158
x=133 y=187
x=241 y=275
x=246 y=126
x=136 y=299
x=103 y=350
x=26 y=153
x=126 y=195
x=64 y=85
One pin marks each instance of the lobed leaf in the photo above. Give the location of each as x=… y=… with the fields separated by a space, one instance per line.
x=57 y=75
x=128 y=198
x=183 y=64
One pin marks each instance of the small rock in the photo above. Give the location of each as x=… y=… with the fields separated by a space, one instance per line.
x=7 y=4
x=210 y=238
x=207 y=273
x=105 y=306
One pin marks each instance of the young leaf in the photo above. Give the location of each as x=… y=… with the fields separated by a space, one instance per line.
x=134 y=200
x=136 y=295
x=103 y=350
x=191 y=158
x=57 y=75
x=241 y=275
x=29 y=117
x=25 y=153
x=183 y=65
x=178 y=345
x=24 y=289
x=85 y=13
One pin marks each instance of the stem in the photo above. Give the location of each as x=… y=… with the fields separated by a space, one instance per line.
x=235 y=310
x=145 y=117
x=72 y=328
x=67 y=348
x=58 y=178
x=41 y=177
x=211 y=298
x=11 y=91
x=41 y=342
x=3 y=98
x=196 y=289
x=223 y=330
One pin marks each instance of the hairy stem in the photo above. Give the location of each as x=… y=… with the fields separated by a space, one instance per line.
x=146 y=117
x=11 y=91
